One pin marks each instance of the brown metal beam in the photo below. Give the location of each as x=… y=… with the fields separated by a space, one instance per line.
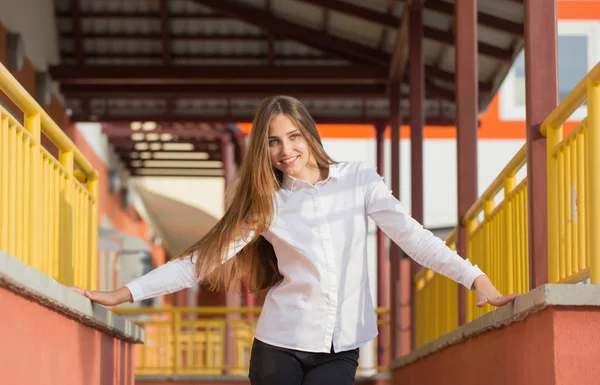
x=395 y=252
x=171 y=36
x=286 y=28
x=541 y=96
x=383 y=279
x=417 y=125
x=244 y=119
x=76 y=32
x=467 y=111
x=165 y=31
x=217 y=75
x=384 y=30
x=145 y=91
x=400 y=52
x=139 y=15
x=270 y=39
x=158 y=55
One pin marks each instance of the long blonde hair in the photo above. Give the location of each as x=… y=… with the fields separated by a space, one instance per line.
x=251 y=208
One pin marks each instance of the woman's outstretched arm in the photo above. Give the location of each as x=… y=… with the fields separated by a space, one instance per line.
x=177 y=274
x=420 y=244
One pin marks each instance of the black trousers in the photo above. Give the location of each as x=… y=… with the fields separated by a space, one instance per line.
x=272 y=365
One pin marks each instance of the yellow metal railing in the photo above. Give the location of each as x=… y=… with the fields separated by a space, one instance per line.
x=48 y=210
x=497 y=243
x=436 y=302
x=573 y=181
x=193 y=341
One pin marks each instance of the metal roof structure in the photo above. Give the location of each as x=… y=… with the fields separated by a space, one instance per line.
x=202 y=65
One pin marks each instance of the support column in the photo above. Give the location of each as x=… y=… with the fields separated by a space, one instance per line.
x=241 y=141
x=417 y=123
x=383 y=286
x=228 y=155
x=466 y=122
x=541 y=95
x=232 y=298
x=395 y=303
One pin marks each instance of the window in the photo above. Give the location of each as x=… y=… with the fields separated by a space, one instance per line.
x=577 y=54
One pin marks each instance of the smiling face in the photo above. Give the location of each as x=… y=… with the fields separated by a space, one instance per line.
x=288 y=148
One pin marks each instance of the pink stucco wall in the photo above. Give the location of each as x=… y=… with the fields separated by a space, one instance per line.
x=555 y=346
x=41 y=346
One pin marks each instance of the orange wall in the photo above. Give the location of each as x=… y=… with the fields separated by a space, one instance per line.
x=549 y=347
x=42 y=346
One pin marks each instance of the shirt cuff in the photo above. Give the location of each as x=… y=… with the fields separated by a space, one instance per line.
x=136 y=291
x=470 y=276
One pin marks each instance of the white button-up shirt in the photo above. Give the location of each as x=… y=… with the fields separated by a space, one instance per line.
x=319 y=234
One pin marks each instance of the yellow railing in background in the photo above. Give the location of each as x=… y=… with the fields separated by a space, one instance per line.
x=574 y=186
x=497 y=243
x=192 y=341
x=436 y=302
x=48 y=210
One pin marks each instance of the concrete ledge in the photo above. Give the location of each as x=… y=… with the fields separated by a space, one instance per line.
x=568 y=295
x=29 y=282
x=383 y=376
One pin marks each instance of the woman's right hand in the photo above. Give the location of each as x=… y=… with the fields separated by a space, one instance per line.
x=107 y=298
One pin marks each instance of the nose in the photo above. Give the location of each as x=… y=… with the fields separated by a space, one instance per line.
x=286 y=149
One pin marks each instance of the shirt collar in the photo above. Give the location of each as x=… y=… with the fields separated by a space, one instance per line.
x=289 y=182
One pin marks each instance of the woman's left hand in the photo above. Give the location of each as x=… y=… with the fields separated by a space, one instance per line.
x=487 y=293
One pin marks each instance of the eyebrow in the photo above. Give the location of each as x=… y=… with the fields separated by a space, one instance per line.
x=289 y=133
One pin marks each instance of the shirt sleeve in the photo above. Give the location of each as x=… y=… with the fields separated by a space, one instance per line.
x=419 y=243
x=175 y=275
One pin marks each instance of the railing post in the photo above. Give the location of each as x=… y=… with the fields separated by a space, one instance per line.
x=593 y=90
x=92 y=186
x=33 y=202
x=471 y=226
x=177 y=341
x=4 y=172
x=66 y=220
x=553 y=138
x=509 y=185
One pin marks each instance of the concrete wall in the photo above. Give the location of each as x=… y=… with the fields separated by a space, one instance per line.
x=51 y=335
x=546 y=337
x=41 y=346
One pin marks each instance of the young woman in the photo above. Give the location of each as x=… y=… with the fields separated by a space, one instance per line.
x=297 y=223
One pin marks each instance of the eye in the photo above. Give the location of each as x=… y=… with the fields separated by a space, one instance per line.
x=294 y=136
x=272 y=142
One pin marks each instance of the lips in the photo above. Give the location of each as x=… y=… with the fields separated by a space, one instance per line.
x=288 y=161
